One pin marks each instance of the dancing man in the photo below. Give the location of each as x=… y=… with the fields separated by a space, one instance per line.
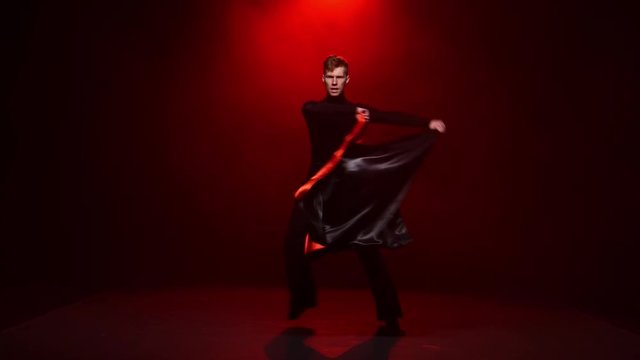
x=353 y=192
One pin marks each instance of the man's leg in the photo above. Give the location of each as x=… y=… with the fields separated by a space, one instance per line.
x=302 y=289
x=384 y=292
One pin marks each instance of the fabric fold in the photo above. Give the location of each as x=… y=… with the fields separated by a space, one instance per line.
x=354 y=199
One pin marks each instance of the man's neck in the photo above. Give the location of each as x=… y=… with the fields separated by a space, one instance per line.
x=336 y=99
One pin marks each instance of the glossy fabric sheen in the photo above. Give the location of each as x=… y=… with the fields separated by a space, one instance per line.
x=358 y=202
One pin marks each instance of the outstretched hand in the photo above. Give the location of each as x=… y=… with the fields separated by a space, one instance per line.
x=364 y=112
x=437 y=124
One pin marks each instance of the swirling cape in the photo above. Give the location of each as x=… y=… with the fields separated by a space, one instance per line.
x=354 y=199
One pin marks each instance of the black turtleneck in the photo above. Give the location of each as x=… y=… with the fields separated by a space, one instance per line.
x=340 y=99
x=331 y=119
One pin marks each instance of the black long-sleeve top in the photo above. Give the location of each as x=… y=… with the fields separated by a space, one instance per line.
x=331 y=119
x=357 y=202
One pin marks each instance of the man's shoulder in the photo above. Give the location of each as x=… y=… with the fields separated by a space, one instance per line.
x=309 y=103
x=309 y=107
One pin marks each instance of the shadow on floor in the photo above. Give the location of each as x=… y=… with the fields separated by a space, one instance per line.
x=290 y=345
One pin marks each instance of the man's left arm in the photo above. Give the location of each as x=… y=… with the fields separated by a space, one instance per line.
x=401 y=119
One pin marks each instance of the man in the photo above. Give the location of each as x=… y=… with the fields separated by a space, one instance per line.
x=353 y=193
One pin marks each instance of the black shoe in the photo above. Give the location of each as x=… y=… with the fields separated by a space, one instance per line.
x=391 y=327
x=295 y=312
x=295 y=309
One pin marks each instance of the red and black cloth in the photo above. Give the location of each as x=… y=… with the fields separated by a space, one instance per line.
x=354 y=191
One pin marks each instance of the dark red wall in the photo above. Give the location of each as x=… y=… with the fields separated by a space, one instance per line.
x=157 y=142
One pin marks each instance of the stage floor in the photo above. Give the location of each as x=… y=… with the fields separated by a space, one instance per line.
x=250 y=323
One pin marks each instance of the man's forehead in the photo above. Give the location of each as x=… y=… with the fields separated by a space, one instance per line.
x=338 y=71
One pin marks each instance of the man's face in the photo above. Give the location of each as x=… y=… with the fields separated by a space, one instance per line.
x=335 y=80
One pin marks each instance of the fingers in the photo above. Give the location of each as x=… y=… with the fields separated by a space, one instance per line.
x=438 y=125
x=364 y=112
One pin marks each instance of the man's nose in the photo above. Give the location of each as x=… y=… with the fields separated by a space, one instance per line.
x=334 y=81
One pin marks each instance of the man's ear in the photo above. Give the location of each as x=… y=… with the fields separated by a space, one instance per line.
x=348 y=78
x=323 y=81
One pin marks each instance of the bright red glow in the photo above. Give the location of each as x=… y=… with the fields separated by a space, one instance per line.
x=282 y=45
x=310 y=245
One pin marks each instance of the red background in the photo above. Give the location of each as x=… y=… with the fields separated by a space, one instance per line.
x=154 y=143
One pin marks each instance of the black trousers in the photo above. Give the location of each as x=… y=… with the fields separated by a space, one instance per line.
x=302 y=288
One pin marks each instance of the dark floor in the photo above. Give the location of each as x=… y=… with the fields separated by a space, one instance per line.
x=250 y=323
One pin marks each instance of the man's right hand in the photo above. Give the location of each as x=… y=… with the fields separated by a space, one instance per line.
x=364 y=112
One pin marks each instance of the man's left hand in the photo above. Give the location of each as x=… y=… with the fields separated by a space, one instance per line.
x=437 y=124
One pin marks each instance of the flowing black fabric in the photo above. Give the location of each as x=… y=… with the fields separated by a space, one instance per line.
x=358 y=202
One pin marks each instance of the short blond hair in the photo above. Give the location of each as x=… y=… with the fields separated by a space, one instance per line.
x=335 y=61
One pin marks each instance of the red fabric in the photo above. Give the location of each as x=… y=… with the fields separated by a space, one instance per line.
x=335 y=159
x=310 y=245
